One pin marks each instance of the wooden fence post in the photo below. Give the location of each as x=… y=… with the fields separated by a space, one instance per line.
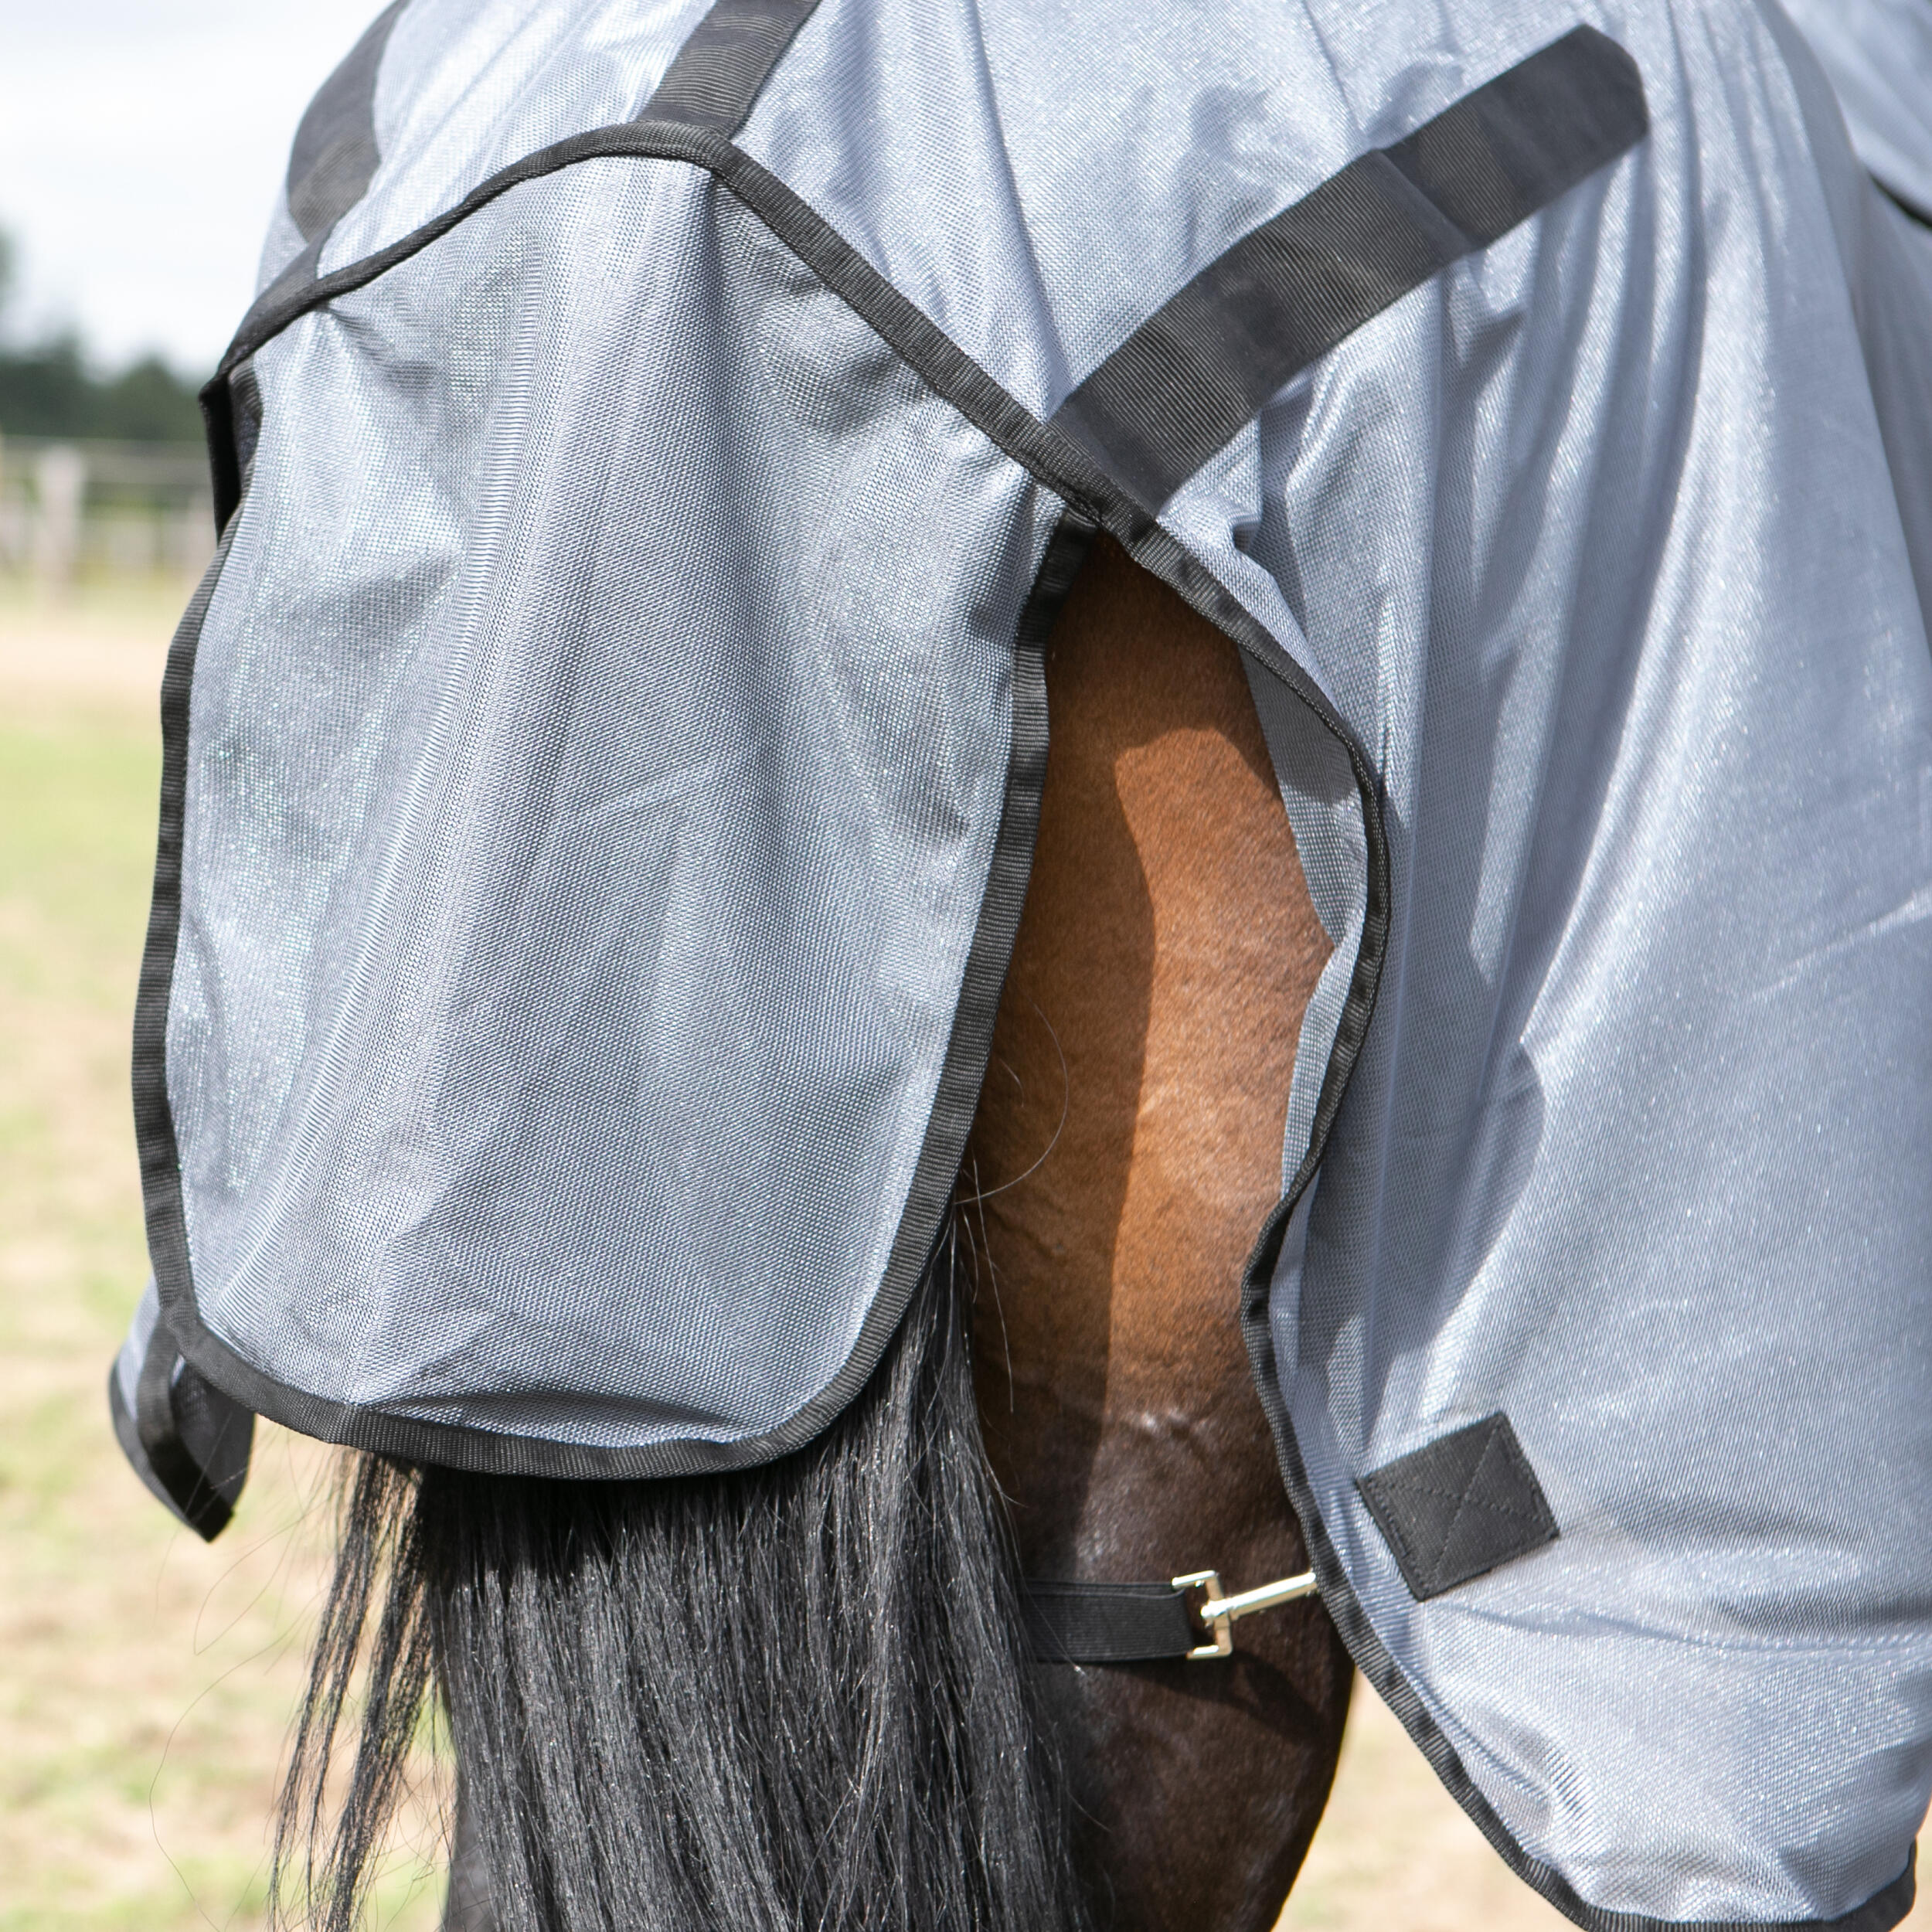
x=60 y=482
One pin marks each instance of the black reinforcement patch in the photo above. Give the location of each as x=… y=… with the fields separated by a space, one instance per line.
x=1459 y=1507
x=1199 y=369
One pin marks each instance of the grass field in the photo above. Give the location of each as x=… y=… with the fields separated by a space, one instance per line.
x=145 y=1678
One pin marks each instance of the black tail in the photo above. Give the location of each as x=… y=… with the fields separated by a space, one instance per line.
x=790 y=1697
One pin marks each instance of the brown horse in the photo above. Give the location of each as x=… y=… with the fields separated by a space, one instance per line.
x=1128 y=1147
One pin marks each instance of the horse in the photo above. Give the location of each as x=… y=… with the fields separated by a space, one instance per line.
x=802 y=1694
x=1544 y=771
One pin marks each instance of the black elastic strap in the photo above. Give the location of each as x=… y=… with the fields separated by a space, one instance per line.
x=718 y=71
x=1109 y=1622
x=1196 y=372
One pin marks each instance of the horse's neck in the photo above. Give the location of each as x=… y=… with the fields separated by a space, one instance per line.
x=1129 y=1141
x=1128 y=1147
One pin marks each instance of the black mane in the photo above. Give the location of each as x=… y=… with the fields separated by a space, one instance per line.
x=791 y=1696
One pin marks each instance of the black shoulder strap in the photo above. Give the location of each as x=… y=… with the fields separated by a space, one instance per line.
x=334 y=156
x=716 y=78
x=1199 y=369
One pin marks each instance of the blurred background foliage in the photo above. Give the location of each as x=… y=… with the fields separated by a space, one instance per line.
x=47 y=388
x=103 y=475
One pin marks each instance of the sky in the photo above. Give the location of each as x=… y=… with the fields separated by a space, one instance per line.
x=141 y=142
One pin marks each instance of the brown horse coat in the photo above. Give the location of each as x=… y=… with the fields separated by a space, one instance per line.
x=1127 y=1145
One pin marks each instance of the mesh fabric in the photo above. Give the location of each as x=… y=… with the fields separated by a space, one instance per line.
x=597 y=754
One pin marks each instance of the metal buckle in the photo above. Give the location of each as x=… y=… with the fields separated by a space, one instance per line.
x=1217 y=1611
x=1223 y=1626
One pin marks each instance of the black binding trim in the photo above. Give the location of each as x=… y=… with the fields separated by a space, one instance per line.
x=154 y=1117
x=1108 y=1623
x=1199 y=369
x=1049 y=455
x=718 y=72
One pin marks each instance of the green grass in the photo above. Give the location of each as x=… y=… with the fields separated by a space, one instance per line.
x=147 y=1679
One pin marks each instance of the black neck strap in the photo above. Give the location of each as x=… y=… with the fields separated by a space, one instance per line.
x=1109 y=1622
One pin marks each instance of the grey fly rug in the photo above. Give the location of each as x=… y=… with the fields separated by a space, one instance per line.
x=604 y=756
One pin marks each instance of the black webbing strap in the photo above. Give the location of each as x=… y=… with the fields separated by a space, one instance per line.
x=1193 y=375
x=1109 y=1622
x=718 y=71
x=334 y=156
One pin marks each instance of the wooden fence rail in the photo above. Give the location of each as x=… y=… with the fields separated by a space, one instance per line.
x=73 y=509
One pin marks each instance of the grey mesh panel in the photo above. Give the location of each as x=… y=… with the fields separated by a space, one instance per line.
x=1878 y=54
x=282 y=244
x=599 y=732
x=1624 y=1156
x=466 y=89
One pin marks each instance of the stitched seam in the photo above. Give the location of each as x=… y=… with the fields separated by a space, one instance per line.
x=1461 y=1495
x=1381 y=1506
x=1462 y=1505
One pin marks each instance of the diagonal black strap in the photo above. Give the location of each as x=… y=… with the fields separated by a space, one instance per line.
x=334 y=156
x=1192 y=376
x=730 y=53
x=1108 y=1623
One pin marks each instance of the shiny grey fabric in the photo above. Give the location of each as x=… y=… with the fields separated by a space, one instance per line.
x=1878 y=54
x=572 y=939
x=1642 y=651
x=597 y=747
x=1626 y=1156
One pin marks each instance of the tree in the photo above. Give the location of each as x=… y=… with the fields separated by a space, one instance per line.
x=47 y=389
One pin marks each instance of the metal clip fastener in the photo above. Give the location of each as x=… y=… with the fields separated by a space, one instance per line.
x=1217 y=1611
